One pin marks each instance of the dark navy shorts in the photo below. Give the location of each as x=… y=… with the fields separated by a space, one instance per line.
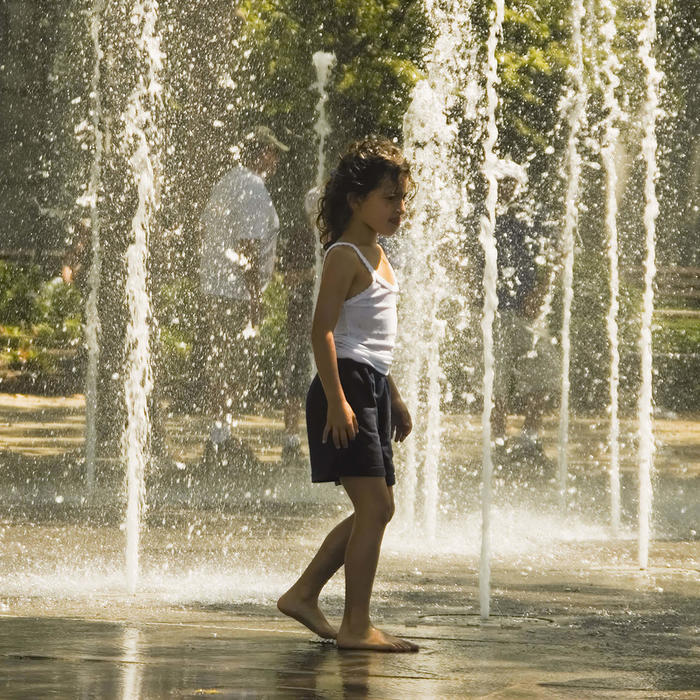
x=370 y=453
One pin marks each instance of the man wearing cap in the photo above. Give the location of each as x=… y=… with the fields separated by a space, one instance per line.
x=239 y=240
x=526 y=361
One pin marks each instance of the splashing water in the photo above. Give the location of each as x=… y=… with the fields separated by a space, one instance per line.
x=433 y=240
x=610 y=69
x=574 y=104
x=421 y=272
x=323 y=63
x=140 y=133
x=646 y=429
x=92 y=326
x=488 y=243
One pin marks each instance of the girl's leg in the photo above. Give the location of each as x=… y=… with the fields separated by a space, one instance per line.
x=301 y=600
x=374 y=507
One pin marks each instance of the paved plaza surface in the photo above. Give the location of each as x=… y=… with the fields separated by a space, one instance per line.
x=554 y=634
x=572 y=616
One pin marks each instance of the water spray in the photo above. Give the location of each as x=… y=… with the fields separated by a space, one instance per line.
x=487 y=239
x=575 y=105
x=140 y=135
x=432 y=237
x=610 y=70
x=323 y=63
x=92 y=325
x=651 y=210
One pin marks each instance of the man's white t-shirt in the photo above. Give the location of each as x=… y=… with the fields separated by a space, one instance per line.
x=239 y=208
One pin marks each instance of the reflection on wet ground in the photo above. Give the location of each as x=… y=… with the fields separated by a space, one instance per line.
x=577 y=620
x=647 y=652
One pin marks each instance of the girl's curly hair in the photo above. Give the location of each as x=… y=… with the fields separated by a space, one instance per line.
x=365 y=164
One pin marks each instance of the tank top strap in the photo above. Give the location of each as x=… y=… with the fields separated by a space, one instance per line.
x=372 y=271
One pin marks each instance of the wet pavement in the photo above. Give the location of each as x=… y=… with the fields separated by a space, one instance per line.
x=258 y=656
x=571 y=615
x=558 y=631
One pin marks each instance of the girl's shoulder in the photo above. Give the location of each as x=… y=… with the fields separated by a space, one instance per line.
x=364 y=256
x=340 y=254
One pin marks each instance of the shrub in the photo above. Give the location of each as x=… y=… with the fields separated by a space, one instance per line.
x=56 y=303
x=177 y=364
x=18 y=288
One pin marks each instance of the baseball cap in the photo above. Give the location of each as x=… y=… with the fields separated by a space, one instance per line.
x=266 y=137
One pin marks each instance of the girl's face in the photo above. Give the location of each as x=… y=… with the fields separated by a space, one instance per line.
x=383 y=208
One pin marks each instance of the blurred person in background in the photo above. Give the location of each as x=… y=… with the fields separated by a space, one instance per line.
x=239 y=240
x=526 y=371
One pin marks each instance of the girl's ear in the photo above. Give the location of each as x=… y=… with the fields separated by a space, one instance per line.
x=353 y=200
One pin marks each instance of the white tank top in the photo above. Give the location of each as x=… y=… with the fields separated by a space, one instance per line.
x=366 y=328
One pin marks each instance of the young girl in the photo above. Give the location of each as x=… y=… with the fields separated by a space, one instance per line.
x=353 y=407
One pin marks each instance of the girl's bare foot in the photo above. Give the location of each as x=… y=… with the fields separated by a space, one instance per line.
x=374 y=640
x=308 y=613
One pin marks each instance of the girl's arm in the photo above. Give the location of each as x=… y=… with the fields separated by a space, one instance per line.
x=401 y=423
x=395 y=396
x=338 y=272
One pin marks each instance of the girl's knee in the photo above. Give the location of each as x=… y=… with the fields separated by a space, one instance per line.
x=375 y=503
x=379 y=511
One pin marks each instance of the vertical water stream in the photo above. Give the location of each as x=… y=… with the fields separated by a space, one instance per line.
x=610 y=69
x=92 y=325
x=323 y=63
x=575 y=105
x=141 y=136
x=432 y=242
x=647 y=38
x=488 y=243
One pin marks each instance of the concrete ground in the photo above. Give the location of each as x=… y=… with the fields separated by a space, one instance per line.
x=571 y=614
x=554 y=634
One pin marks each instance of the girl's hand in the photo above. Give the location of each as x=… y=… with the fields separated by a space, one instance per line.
x=341 y=423
x=401 y=423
